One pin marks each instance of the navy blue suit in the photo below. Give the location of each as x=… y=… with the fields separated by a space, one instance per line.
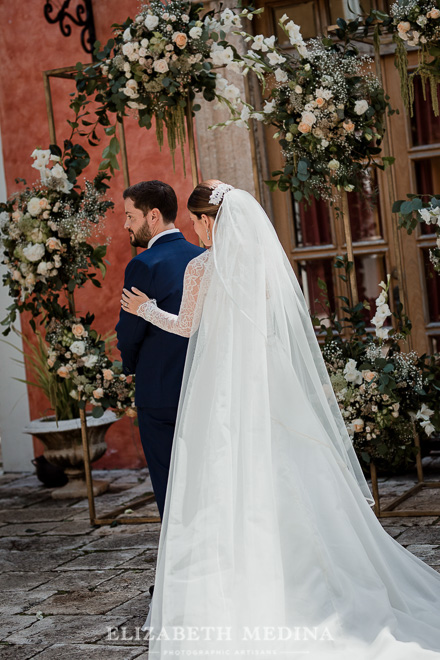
x=156 y=357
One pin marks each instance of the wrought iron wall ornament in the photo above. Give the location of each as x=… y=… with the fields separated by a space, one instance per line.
x=81 y=15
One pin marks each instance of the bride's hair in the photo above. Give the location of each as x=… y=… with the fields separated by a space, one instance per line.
x=198 y=201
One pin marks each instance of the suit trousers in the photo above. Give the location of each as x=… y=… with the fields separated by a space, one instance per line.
x=156 y=426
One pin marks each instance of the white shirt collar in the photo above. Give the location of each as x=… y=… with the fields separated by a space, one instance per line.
x=162 y=233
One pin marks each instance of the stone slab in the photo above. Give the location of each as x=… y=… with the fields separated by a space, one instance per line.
x=100 y=560
x=85 y=629
x=83 y=601
x=22 y=581
x=71 y=580
x=27 y=528
x=88 y=652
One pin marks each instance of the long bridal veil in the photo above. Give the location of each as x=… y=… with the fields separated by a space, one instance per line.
x=269 y=545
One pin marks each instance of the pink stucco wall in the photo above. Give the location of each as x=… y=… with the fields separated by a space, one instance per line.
x=28 y=46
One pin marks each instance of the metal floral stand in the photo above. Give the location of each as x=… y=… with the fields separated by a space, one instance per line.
x=113 y=515
x=389 y=510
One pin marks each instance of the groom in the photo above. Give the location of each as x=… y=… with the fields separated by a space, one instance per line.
x=156 y=357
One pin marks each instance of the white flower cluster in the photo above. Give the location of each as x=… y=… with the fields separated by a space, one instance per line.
x=417 y=21
x=41 y=226
x=77 y=357
x=55 y=177
x=431 y=216
x=382 y=311
x=423 y=416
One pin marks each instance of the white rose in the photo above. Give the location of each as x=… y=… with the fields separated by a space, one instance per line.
x=334 y=165
x=351 y=374
x=34 y=207
x=160 y=66
x=360 y=107
x=151 y=22
x=90 y=361
x=298 y=89
x=127 y=35
x=308 y=118
x=42 y=268
x=34 y=252
x=144 y=43
x=30 y=280
x=195 y=32
x=78 y=347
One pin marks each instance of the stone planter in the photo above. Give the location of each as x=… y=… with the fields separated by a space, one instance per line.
x=63 y=447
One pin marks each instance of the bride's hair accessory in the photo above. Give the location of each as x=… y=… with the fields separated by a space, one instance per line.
x=219 y=192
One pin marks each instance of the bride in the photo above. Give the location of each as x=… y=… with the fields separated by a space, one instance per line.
x=269 y=546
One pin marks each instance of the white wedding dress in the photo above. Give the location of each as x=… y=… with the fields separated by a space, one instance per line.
x=269 y=546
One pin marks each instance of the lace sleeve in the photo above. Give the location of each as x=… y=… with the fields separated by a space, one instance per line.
x=183 y=323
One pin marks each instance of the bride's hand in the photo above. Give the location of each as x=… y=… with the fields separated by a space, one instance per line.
x=131 y=300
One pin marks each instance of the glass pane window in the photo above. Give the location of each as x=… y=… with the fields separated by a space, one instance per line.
x=370 y=270
x=301 y=13
x=312 y=223
x=432 y=289
x=364 y=211
x=425 y=126
x=427 y=173
x=309 y=272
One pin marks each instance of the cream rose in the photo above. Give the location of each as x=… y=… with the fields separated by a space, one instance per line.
x=63 y=372
x=151 y=22
x=304 y=128
x=98 y=393
x=33 y=206
x=53 y=244
x=160 y=66
x=78 y=347
x=34 y=252
x=78 y=330
x=195 y=32
x=433 y=13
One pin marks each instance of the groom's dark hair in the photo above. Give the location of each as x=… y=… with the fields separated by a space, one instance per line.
x=148 y=195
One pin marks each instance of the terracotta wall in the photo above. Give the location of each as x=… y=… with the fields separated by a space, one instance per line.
x=28 y=46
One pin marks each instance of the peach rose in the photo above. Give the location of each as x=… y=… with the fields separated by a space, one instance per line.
x=44 y=204
x=63 y=372
x=320 y=102
x=98 y=393
x=180 y=39
x=131 y=412
x=404 y=26
x=348 y=125
x=368 y=375
x=78 y=330
x=53 y=244
x=433 y=13
x=50 y=362
x=108 y=374
x=304 y=128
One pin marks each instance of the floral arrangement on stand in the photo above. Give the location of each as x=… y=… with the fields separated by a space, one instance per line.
x=414 y=211
x=153 y=67
x=417 y=24
x=328 y=111
x=385 y=394
x=77 y=358
x=50 y=233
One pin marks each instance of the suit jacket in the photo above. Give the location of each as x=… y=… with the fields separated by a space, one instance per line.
x=156 y=357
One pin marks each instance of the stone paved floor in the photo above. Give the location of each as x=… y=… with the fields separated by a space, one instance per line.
x=65 y=583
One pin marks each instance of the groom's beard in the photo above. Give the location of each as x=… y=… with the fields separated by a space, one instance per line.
x=141 y=237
